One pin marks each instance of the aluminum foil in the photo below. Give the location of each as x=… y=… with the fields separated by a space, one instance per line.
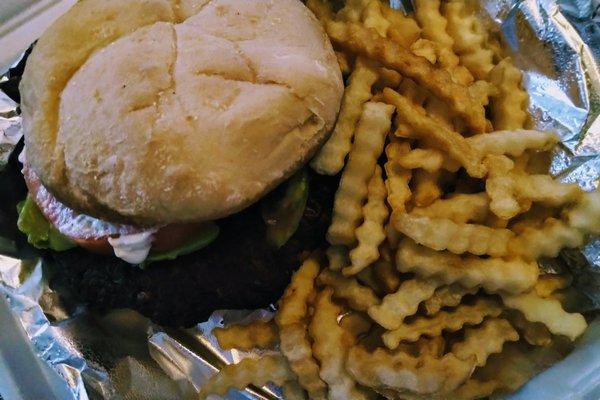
x=124 y=356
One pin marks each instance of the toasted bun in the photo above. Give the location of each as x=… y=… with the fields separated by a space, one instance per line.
x=140 y=112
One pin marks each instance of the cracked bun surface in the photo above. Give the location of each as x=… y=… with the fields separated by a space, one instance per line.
x=155 y=112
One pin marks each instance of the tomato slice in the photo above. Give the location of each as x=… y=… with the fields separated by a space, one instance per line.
x=93 y=233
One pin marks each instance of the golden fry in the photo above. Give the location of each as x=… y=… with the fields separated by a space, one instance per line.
x=509 y=105
x=256 y=335
x=446 y=296
x=359 y=297
x=484 y=340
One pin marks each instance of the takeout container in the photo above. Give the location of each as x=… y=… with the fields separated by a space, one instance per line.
x=123 y=355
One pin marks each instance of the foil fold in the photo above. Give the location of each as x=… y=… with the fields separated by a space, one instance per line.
x=123 y=355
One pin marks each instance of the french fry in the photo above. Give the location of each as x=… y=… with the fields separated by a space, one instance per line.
x=249 y=371
x=330 y=159
x=549 y=283
x=585 y=215
x=364 y=41
x=256 y=335
x=290 y=319
x=513 y=143
x=330 y=345
x=446 y=296
x=433 y=25
x=398 y=179
x=547 y=241
x=368 y=146
x=445 y=139
x=359 y=297
x=371 y=233
x=426 y=189
x=403 y=29
x=399 y=371
x=450 y=321
x=460 y=208
x=426 y=49
x=366 y=277
x=338 y=257
x=484 y=340
x=493 y=274
x=509 y=105
x=430 y=160
x=469 y=37
x=372 y=17
x=547 y=311
x=403 y=303
x=352 y=10
x=459 y=238
x=534 y=333
x=344 y=63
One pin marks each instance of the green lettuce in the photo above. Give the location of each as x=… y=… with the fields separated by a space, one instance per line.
x=40 y=233
x=283 y=213
x=205 y=237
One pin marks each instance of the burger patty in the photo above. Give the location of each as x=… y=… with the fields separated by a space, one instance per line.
x=237 y=271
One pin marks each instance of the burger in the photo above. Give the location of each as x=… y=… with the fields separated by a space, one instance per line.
x=165 y=145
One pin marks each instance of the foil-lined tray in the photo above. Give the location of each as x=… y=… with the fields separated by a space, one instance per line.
x=122 y=355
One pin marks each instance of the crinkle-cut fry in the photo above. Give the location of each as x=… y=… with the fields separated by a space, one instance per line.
x=440 y=111
x=387 y=78
x=513 y=143
x=356 y=324
x=371 y=233
x=398 y=179
x=386 y=275
x=475 y=389
x=445 y=139
x=392 y=235
x=493 y=274
x=585 y=215
x=426 y=49
x=338 y=257
x=330 y=345
x=330 y=159
x=322 y=9
x=534 y=333
x=433 y=25
x=547 y=311
x=352 y=10
x=450 y=321
x=404 y=302
x=549 y=283
x=460 y=208
x=447 y=296
x=484 y=340
x=547 y=241
x=403 y=29
x=482 y=90
x=359 y=297
x=372 y=17
x=368 y=145
x=509 y=105
x=367 y=278
x=459 y=238
x=256 y=335
x=470 y=37
x=426 y=188
x=400 y=371
x=367 y=42
x=293 y=335
x=249 y=371
x=430 y=160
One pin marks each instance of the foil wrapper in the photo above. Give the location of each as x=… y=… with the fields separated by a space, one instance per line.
x=124 y=356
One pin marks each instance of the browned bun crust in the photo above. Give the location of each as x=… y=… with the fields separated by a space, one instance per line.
x=142 y=112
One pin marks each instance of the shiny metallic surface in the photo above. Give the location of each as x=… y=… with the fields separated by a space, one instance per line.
x=122 y=355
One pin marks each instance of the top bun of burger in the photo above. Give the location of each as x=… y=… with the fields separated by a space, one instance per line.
x=144 y=112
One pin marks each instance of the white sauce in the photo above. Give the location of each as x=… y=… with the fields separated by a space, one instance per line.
x=134 y=248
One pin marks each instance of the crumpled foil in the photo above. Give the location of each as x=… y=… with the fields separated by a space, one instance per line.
x=124 y=356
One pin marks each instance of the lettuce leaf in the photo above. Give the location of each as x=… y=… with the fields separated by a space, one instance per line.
x=40 y=233
x=205 y=237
